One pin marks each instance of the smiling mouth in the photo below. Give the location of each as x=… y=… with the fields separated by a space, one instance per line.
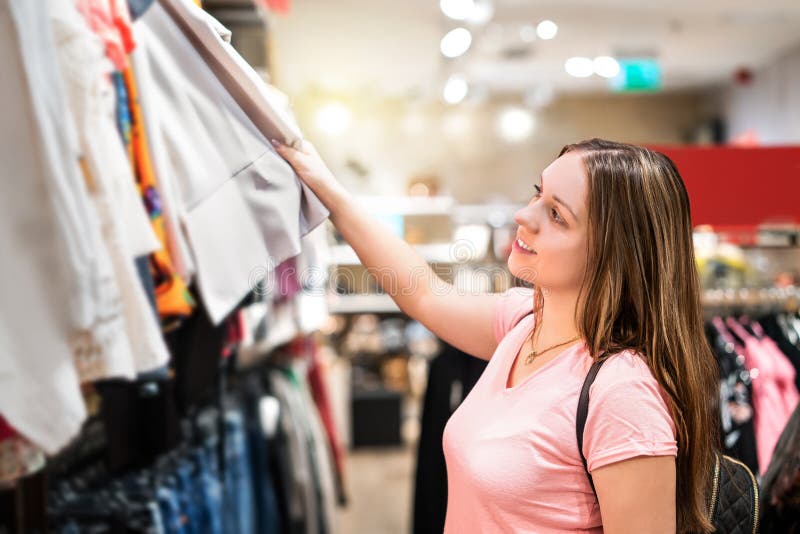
x=525 y=247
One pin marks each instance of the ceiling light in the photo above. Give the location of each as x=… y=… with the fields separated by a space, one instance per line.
x=580 y=67
x=515 y=124
x=457 y=9
x=456 y=42
x=482 y=12
x=606 y=66
x=455 y=90
x=527 y=33
x=547 y=29
x=334 y=118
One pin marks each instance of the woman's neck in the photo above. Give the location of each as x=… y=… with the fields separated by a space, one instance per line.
x=558 y=317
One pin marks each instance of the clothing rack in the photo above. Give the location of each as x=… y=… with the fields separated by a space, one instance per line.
x=762 y=299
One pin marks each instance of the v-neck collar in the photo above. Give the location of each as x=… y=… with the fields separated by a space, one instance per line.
x=507 y=368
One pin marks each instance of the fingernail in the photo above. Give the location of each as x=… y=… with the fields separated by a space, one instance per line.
x=275 y=142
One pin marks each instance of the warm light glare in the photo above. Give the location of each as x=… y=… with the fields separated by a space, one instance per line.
x=606 y=66
x=334 y=118
x=547 y=29
x=457 y=9
x=456 y=42
x=579 y=67
x=515 y=124
x=455 y=90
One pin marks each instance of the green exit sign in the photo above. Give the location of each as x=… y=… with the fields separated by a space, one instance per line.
x=637 y=75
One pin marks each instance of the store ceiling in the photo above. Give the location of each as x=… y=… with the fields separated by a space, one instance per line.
x=392 y=47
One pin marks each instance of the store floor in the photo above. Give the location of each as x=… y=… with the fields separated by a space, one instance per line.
x=380 y=489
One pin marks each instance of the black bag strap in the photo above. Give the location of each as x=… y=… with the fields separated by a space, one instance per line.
x=583 y=412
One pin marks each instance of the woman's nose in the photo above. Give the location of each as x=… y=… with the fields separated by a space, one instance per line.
x=525 y=217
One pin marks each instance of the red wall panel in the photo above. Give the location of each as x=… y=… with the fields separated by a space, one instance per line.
x=733 y=186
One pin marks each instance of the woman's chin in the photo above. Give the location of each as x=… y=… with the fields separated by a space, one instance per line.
x=522 y=270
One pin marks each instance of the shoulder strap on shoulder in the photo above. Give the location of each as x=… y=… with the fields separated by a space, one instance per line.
x=583 y=411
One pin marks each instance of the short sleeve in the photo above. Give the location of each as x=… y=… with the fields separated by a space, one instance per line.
x=628 y=415
x=511 y=306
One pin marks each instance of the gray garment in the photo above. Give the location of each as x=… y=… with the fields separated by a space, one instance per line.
x=302 y=500
x=323 y=456
x=270 y=186
x=231 y=184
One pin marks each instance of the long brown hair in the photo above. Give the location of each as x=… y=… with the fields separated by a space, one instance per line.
x=641 y=292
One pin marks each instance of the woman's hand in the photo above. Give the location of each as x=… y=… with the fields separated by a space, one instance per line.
x=309 y=166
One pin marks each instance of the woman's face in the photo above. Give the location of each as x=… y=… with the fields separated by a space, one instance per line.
x=553 y=227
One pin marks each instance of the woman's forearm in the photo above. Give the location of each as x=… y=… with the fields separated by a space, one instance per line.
x=399 y=269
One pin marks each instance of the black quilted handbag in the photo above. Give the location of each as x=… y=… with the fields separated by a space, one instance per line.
x=733 y=502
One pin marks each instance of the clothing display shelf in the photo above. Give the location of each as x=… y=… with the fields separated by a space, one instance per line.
x=362 y=304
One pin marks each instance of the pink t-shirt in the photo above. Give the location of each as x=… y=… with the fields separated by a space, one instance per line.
x=512 y=455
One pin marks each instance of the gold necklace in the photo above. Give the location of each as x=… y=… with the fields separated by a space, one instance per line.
x=532 y=355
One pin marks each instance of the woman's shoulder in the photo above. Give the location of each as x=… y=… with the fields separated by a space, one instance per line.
x=624 y=367
x=510 y=308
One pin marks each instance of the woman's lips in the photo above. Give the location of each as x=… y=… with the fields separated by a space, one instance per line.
x=518 y=246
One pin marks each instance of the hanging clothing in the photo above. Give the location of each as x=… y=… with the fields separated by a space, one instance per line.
x=49 y=277
x=196 y=125
x=737 y=422
x=780 y=490
x=172 y=211
x=512 y=457
x=779 y=329
x=92 y=104
x=173 y=300
x=234 y=176
x=768 y=397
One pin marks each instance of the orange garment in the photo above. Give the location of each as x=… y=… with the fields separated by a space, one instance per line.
x=173 y=300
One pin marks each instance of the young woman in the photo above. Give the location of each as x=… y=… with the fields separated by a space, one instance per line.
x=607 y=243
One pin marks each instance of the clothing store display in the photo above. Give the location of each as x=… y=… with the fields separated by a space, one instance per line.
x=121 y=405
x=497 y=466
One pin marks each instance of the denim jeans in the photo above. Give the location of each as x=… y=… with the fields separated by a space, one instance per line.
x=170 y=507
x=238 y=515
x=208 y=489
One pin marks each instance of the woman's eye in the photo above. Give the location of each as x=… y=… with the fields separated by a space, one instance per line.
x=553 y=212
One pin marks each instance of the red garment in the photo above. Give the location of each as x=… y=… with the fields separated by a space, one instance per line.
x=6 y=431
x=308 y=348
x=111 y=21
